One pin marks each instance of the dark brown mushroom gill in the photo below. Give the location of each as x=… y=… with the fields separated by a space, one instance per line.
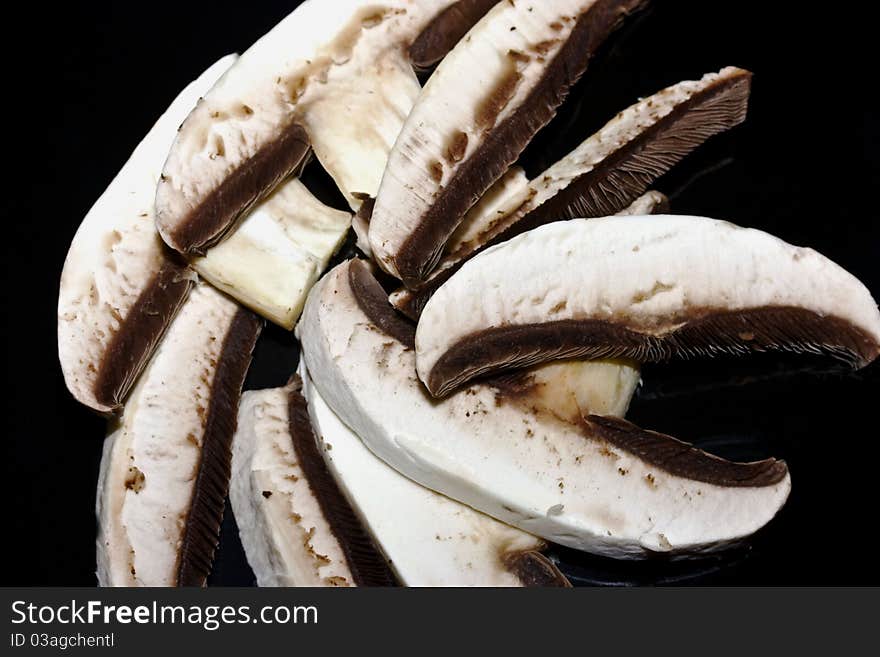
x=680 y=459
x=366 y=563
x=445 y=30
x=704 y=333
x=141 y=331
x=201 y=533
x=253 y=180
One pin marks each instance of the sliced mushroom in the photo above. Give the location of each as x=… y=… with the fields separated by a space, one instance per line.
x=340 y=81
x=296 y=526
x=602 y=175
x=277 y=253
x=165 y=468
x=476 y=114
x=412 y=302
x=120 y=289
x=593 y=485
x=647 y=288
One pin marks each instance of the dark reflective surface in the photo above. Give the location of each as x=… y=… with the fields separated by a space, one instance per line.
x=804 y=167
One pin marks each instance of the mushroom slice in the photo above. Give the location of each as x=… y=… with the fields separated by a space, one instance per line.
x=119 y=287
x=570 y=483
x=602 y=175
x=296 y=526
x=647 y=288
x=411 y=302
x=441 y=542
x=165 y=468
x=476 y=114
x=277 y=253
x=339 y=81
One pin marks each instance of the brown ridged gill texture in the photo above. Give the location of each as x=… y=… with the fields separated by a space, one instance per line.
x=201 y=534
x=447 y=29
x=682 y=460
x=373 y=301
x=367 y=565
x=502 y=144
x=704 y=333
x=140 y=332
x=253 y=180
x=535 y=569
x=628 y=171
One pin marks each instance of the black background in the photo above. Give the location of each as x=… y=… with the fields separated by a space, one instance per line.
x=85 y=82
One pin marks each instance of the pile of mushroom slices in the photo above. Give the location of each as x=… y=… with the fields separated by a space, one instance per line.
x=459 y=400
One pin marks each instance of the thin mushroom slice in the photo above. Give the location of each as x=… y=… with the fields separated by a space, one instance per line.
x=120 y=288
x=646 y=288
x=442 y=542
x=165 y=467
x=277 y=253
x=477 y=112
x=337 y=81
x=296 y=526
x=567 y=482
x=412 y=302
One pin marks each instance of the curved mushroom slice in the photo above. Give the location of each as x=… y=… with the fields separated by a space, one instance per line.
x=119 y=287
x=412 y=302
x=647 y=288
x=339 y=80
x=296 y=527
x=573 y=484
x=476 y=114
x=165 y=467
x=277 y=253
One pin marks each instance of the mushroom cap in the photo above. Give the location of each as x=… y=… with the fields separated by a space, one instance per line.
x=646 y=288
